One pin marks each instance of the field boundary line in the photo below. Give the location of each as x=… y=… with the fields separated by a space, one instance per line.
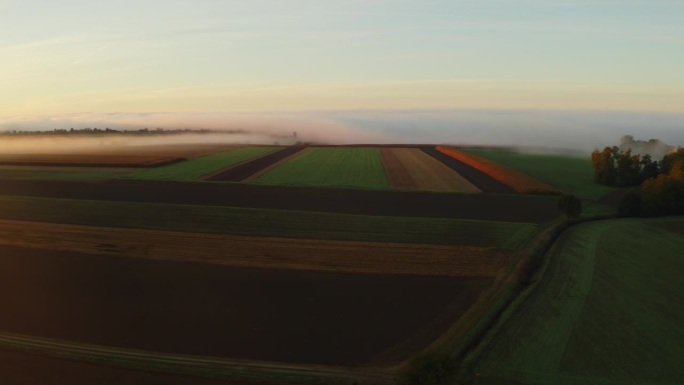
x=198 y=365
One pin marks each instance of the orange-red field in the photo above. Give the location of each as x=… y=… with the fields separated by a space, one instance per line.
x=517 y=180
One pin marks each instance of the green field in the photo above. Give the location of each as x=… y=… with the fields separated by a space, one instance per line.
x=195 y=168
x=352 y=167
x=260 y=222
x=607 y=311
x=569 y=173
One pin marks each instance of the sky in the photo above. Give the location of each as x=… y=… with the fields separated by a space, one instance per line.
x=152 y=63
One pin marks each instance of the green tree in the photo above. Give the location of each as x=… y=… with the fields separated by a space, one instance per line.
x=664 y=195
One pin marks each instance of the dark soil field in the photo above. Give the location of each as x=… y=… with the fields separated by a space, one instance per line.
x=511 y=208
x=208 y=310
x=87 y=160
x=480 y=179
x=247 y=169
x=23 y=368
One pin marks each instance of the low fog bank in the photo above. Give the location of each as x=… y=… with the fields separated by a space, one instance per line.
x=536 y=131
x=532 y=130
x=97 y=143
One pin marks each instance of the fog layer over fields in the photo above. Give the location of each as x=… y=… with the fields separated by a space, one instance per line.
x=581 y=130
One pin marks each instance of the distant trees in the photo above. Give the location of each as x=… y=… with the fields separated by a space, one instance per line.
x=664 y=194
x=615 y=167
x=662 y=182
x=662 y=185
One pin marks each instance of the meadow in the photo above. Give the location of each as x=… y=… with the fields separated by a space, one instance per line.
x=350 y=167
x=607 y=311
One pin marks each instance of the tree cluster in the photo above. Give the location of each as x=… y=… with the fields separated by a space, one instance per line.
x=616 y=167
x=662 y=194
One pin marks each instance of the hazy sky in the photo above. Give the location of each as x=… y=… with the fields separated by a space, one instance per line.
x=175 y=56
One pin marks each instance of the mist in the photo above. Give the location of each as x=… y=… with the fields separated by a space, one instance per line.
x=545 y=130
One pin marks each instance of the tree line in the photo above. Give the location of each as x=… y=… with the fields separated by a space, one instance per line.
x=659 y=184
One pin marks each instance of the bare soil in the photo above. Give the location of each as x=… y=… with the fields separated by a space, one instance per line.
x=87 y=160
x=25 y=368
x=244 y=251
x=480 y=179
x=247 y=169
x=512 y=208
x=210 y=310
x=397 y=175
x=431 y=174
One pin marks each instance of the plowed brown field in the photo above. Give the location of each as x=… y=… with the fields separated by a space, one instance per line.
x=517 y=180
x=87 y=160
x=275 y=315
x=422 y=171
x=243 y=251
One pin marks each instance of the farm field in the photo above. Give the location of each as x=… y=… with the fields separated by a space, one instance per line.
x=483 y=181
x=608 y=310
x=252 y=169
x=413 y=169
x=351 y=167
x=315 y=261
x=261 y=252
x=270 y=223
x=195 y=168
x=190 y=308
x=569 y=173
x=19 y=367
x=87 y=160
x=61 y=173
x=516 y=180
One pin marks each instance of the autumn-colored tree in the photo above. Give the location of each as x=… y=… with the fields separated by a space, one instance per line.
x=664 y=195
